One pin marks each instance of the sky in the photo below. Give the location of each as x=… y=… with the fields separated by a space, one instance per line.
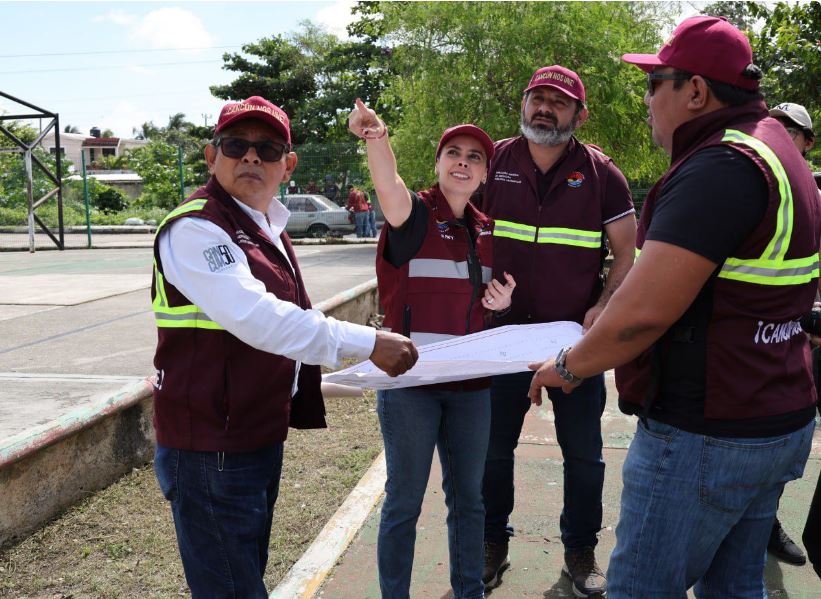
x=116 y=65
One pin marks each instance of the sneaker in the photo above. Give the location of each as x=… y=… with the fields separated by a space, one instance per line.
x=783 y=547
x=584 y=573
x=496 y=562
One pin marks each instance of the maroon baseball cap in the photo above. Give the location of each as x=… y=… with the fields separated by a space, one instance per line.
x=471 y=130
x=258 y=108
x=707 y=46
x=560 y=78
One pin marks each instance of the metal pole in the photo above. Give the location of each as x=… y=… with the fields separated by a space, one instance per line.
x=30 y=195
x=85 y=197
x=182 y=176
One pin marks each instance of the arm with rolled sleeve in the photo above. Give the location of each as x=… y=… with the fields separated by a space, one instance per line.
x=240 y=303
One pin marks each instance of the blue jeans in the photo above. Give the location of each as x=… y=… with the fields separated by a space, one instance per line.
x=361 y=222
x=413 y=422
x=371 y=223
x=698 y=510
x=222 y=506
x=578 y=430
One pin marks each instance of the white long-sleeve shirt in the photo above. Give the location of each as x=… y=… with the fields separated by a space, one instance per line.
x=232 y=297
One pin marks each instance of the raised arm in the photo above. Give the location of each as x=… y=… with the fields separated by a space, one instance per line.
x=391 y=191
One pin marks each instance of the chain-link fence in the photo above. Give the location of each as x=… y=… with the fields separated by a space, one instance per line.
x=117 y=207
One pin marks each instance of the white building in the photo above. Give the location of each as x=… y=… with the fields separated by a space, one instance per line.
x=72 y=145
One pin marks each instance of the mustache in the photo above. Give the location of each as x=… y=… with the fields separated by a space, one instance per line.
x=545 y=115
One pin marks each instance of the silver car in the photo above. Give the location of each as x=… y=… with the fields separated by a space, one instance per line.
x=316 y=216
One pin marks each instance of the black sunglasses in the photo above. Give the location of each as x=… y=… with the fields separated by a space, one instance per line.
x=653 y=77
x=236 y=147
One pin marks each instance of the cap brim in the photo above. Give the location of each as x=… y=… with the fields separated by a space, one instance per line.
x=646 y=62
x=556 y=87
x=775 y=112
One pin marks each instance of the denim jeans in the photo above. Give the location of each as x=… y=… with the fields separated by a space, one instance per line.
x=222 y=506
x=371 y=223
x=698 y=510
x=361 y=223
x=413 y=422
x=578 y=431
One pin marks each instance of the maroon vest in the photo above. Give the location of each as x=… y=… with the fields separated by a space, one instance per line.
x=215 y=392
x=758 y=360
x=431 y=297
x=559 y=273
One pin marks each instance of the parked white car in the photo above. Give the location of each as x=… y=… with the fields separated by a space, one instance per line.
x=316 y=216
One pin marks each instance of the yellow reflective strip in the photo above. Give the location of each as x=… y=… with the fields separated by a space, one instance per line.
x=774 y=264
x=638 y=252
x=770 y=281
x=191 y=206
x=511 y=235
x=585 y=244
x=784 y=216
x=580 y=232
x=189 y=324
x=510 y=223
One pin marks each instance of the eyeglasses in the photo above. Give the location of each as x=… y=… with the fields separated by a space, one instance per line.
x=792 y=131
x=653 y=77
x=236 y=147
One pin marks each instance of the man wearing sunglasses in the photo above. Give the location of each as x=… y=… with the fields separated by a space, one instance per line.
x=705 y=331
x=797 y=122
x=236 y=337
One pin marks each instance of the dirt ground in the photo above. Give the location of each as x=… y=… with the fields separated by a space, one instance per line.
x=120 y=542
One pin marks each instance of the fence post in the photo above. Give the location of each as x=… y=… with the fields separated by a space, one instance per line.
x=182 y=176
x=85 y=198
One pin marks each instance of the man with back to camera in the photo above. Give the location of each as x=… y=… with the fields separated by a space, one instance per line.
x=236 y=334
x=553 y=199
x=797 y=122
x=705 y=329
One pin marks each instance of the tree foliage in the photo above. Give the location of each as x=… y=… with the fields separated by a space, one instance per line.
x=158 y=165
x=469 y=62
x=312 y=75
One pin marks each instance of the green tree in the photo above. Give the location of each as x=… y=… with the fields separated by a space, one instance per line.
x=469 y=62
x=71 y=129
x=157 y=164
x=312 y=75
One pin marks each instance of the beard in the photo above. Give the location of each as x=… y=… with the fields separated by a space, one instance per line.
x=546 y=135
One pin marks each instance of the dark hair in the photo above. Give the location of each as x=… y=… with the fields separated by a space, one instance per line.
x=725 y=93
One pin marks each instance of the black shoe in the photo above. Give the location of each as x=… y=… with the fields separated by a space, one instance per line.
x=783 y=547
x=496 y=562
x=584 y=573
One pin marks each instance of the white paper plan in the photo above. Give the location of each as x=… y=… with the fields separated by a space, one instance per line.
x=503 y=350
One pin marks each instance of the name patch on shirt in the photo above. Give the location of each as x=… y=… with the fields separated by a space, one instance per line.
x=218 y=258
x=507 y=177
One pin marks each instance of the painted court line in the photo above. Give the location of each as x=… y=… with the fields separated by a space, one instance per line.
x=307 y=575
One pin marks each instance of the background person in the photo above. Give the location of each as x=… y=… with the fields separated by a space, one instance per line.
x=705 y=328
x=236 y=335
x=433 y=264
x=798 y=124
x=358 y=206
x=554 y=199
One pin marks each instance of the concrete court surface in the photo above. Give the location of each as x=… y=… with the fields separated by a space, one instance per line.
x=77 y=325
x=536 y=551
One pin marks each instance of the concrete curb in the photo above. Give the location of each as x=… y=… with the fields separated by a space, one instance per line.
x=46 y=469
x=307 y=575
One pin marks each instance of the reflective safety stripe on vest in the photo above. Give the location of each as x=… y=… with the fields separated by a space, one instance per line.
x=557 y=235
x=182 y=317
x=771 y=268
x=444 y=269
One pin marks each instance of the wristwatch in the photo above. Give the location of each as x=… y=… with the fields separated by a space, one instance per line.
x=563 y=372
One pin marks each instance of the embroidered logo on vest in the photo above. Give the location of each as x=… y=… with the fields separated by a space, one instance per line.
x=507 y=177
x=244 y=239
x=443 y=227
x=575 y=179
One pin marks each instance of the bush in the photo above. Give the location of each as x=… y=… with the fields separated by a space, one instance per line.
x=109 y=199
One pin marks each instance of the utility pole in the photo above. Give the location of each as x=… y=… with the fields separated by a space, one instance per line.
x=205 y=118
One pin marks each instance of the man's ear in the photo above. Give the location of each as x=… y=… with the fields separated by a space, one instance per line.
x=809 y=144
x=699 y=93
x=583 y=115
x=210 y=157
x=290 y=166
